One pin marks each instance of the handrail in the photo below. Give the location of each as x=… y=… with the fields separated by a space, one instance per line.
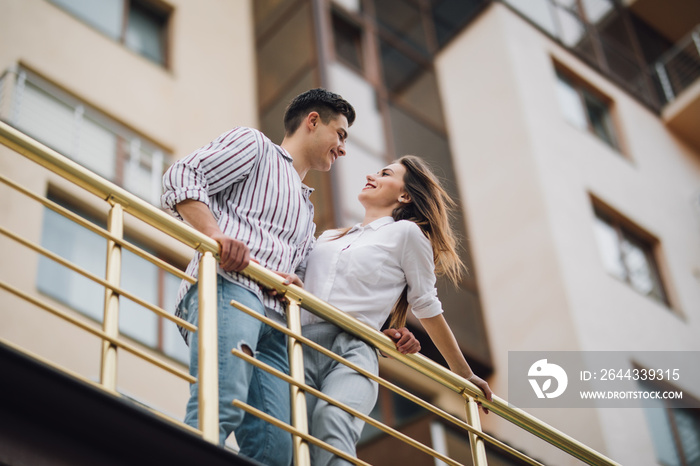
x=140 y=209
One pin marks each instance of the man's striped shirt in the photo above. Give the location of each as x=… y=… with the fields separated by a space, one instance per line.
x=256 y=196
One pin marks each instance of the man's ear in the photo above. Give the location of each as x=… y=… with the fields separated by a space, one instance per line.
x=312 y=120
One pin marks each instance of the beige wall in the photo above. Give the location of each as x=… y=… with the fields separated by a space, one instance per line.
x=209 y=88
x=526 y=178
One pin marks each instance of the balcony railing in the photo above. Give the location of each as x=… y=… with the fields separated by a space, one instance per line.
x=121 y=202
x=679 y=67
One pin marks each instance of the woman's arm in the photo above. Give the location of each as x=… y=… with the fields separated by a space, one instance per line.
x=441 y=334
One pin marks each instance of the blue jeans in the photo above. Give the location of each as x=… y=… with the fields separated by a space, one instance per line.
x=239 y=380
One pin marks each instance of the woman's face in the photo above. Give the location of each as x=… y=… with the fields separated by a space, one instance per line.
x=386 y=188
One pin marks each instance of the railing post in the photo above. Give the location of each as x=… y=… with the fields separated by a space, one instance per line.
x=302 y=456
x=110 y=320
x=476 y=442
x=665 y=82
x=208 y=377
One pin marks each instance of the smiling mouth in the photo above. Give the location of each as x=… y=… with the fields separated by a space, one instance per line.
x=369 y=186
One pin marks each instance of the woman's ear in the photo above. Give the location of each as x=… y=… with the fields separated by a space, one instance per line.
x=405 y=198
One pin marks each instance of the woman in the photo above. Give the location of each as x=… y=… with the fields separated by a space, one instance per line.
x=374 y=270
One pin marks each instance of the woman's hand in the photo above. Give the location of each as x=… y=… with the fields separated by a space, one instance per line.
x=484 y=386
x=289 y=279
x=406 y=343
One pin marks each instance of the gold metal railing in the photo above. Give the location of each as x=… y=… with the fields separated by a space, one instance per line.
x=123 y=202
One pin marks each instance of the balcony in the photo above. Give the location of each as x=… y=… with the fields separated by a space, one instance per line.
x=678 y=71
x=49 y=414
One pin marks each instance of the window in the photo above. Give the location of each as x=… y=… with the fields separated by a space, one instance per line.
x=586 y=110
x=88 y=250
x=629 y=255
x=139 y=25
x=675 y=429
x=348 y=41
x=85 y=135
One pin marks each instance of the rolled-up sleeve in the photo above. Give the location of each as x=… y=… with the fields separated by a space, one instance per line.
x=210 y=169
x=419 y=268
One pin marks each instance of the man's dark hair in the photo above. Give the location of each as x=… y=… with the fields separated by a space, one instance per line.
x=326 y=103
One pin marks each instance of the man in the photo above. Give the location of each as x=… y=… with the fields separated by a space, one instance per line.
x=246 y=192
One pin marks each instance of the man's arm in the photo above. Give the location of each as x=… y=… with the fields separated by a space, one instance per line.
x=235 y=254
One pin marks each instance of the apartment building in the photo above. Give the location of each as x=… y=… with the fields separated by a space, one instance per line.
x=565 y=130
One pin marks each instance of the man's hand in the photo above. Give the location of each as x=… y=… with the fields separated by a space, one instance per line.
x=235 y=255
x=406 y=343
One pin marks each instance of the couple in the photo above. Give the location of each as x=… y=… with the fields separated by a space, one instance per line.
x=246 y=193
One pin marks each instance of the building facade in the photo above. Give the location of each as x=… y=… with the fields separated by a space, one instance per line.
x=565 y=130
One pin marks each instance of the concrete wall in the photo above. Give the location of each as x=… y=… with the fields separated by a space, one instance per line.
x=527 y=177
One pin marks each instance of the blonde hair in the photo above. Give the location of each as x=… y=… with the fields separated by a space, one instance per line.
x=430 y=207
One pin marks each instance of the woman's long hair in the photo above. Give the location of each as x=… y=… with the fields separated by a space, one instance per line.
x=429 y=207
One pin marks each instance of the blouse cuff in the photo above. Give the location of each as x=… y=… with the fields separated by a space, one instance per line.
x=425 y=310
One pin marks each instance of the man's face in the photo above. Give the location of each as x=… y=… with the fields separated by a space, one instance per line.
x=328 y=142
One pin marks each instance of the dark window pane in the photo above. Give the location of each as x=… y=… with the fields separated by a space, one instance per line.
x=405 y=409
x=659 y=423
x=348 y=41
x=688 y=425
x=285 y=54
x=398 y=68
x=450 y=15
x=403 y=18
x=144 y=33
x=600 y=119
x=422 y=97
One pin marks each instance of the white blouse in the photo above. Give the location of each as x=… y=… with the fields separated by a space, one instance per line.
x=364 y=272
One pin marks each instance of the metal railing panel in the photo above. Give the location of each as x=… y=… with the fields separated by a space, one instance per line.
x=127 y=202
x=385 y=383
x=208 y=378
x=679 y=67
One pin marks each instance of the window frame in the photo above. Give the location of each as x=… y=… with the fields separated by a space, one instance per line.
x=669 y=407
x=624 y=229
x=583 y=90
x=347 y=22
x=158 y=10
x=130 y=145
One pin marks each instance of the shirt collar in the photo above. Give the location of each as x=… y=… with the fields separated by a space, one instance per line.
x=287 y=156
x=284 y=153
x=375 y=225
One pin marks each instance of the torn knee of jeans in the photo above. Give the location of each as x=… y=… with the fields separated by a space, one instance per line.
x=243 y=346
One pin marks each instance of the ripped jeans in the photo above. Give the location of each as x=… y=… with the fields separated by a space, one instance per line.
x=239 y=380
